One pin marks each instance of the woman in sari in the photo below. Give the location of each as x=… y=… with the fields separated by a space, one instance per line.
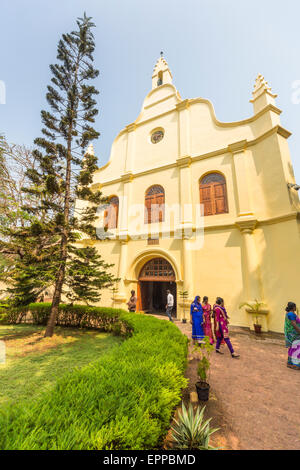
x=197 y=321
x=221 y=318
x=292 y=336
x=207 y=319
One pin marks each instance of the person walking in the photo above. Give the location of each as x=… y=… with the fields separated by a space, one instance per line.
x=221 y=318
x=292 y=336
x=131 y=304
x=197 y=321
x=170 y=305
x=207 y=319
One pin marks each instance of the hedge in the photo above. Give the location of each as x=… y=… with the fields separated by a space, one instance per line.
x=124 y=400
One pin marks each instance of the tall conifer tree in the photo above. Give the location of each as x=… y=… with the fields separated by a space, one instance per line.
x=65 y=167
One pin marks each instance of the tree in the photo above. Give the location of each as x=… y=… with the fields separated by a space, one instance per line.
x=27 y=250
x=86 y=275
x=65 y=168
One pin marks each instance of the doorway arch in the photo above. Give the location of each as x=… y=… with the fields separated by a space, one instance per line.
x=155 y=278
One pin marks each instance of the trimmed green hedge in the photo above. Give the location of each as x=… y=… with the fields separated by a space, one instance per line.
x=124 y=400
x=82 y=316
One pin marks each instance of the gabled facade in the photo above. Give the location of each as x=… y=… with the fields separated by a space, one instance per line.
x=177 y=154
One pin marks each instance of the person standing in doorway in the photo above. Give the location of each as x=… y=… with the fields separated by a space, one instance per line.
x=132 y=302
x=170 y=304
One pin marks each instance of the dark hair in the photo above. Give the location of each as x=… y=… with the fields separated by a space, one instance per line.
x=290 y=306
x=205 y=298
x=132 y=291
x=219 y=300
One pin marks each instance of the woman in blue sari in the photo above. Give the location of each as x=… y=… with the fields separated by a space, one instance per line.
x=197 y=321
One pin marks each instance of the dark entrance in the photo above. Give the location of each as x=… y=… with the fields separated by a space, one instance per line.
x=156 y=277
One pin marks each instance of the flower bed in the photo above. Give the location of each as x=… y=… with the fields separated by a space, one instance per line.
x=124 y=400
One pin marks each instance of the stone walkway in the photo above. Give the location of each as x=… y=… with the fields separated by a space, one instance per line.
x=254 y=399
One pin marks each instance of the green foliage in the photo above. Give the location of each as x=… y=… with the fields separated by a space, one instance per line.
x=60 y=183
x=123 y=400
x=191 y=431
x=204 y=351
x=82 y=316
x=254 y=307
x=86 y=275
x=34 y=364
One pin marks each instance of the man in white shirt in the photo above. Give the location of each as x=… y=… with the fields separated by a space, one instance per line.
x=170 y=304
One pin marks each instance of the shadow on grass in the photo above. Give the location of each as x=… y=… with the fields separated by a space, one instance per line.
x=26 y=377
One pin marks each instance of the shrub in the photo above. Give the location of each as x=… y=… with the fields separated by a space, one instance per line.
x=82 y=316
x=123 y=400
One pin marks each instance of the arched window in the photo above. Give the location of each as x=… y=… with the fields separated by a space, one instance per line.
x=213 y=194
x=111 y=213
x=155 y=204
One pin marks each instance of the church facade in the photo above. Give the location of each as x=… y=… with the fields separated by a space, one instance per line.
x=201 y=207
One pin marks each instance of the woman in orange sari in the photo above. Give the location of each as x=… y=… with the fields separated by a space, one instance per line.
x=207 y=319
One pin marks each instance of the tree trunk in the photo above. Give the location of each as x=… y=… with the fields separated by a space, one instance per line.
x=65 y=234
x=55 y=302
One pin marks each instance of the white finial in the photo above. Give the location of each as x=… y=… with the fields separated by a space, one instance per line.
x=262 y=95
x=261 y=86
x=90 y=150
x=161 y=73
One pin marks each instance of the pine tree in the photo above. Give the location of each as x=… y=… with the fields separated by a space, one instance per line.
x=86 y=275
x=65 y=168
x=28 y=246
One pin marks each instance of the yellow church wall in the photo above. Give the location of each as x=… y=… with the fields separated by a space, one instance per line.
x=250 y=252
x=279 y=253
x=268 y=182
x=146 y=154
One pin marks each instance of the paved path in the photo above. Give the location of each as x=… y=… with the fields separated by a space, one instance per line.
x=254 y=399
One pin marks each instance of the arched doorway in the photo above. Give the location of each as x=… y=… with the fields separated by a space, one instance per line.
x=155 y=278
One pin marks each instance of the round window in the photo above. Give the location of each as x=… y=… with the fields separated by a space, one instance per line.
x=157 y=136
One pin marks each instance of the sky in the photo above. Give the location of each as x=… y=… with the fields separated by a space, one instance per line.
x=214 y=48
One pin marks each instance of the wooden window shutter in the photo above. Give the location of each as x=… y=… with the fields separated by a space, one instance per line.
x=206 y=199
x=155 y=205
x=213 y=194
x=220 y=198
x=111 y=213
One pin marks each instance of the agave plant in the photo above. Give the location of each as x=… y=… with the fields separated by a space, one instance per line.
x=191 y=431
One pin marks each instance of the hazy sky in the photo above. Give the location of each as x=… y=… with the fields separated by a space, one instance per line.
x=215 y=49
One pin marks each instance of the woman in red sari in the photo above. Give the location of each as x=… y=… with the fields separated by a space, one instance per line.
x=207 y=319
x=221 y=319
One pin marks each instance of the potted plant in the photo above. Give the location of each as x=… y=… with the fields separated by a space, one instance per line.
x=184 y=295
x=254 y=308
x=202 y=386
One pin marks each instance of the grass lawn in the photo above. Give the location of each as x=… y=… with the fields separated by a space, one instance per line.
x=34 y=363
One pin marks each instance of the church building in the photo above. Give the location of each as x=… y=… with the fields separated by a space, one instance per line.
x=201 y=207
